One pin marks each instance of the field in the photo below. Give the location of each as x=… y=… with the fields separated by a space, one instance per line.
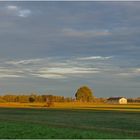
x=67 y=122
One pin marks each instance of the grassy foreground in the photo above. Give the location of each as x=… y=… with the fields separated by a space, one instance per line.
x=64 y=123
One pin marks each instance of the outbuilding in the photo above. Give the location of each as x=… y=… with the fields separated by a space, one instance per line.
x=117 y=100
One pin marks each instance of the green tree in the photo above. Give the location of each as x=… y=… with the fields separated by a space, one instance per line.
x=32 y=98
x=84 y=94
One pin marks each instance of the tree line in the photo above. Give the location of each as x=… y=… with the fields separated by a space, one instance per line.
x=34 y=98
x=83 y=94
x=133 y=100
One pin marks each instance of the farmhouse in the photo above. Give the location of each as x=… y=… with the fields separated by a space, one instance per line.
x=117 y=100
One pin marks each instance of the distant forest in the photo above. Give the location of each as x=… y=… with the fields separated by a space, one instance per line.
x=51 y=98
x=34 y=98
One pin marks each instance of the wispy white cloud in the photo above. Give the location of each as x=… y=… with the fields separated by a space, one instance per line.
x=51 y=67
x=9 y=76
x=24 y=13
x=49 y=76
x=58 y=68
x=129 y=72
x=63 y=72
x=12 y=7
x=18 y=11
x=10 y=73
x=69 y=70
x=85 y=33
x=24 y=62
x=95 y=58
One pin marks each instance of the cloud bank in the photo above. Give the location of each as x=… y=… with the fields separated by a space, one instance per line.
x=54 y=68
x=58 y=68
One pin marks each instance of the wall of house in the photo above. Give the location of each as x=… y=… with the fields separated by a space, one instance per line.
x=122 y=101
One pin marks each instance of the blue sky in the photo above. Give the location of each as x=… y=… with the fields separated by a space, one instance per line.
x=56 y=47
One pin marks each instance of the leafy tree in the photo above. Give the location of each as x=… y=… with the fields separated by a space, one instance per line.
x=32 y=98
x=84 y=94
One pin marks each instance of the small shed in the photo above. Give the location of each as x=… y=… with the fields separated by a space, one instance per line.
x=117 y=100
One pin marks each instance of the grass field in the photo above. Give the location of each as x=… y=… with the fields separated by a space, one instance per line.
x=75 y=105
x=68 y=123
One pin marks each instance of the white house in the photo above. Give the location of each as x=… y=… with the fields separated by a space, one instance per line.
x=117 y=100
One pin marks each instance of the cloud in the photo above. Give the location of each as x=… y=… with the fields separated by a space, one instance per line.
x=24 y=62
x=95 y=58
x=137 y=70
x=64 y=72
x=52 y=68
x=24 y=13
x=85 y=33
x=9 y=76
x=18 y=11
x=12 y=7
x=59 y=67
x=49 y=76
x=69 y=70
x=10 y=73
x=129 y=72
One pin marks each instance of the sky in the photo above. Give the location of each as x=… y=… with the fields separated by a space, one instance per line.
x=56 y=47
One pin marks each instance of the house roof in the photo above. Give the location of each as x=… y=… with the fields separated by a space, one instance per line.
x=114 y=98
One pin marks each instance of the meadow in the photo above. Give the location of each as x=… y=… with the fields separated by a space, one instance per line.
x=74 y=123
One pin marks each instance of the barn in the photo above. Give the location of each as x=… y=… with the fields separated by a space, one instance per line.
x=117 y=100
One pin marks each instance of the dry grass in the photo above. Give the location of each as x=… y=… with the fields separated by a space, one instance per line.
x=93 y=106
x=75 y=105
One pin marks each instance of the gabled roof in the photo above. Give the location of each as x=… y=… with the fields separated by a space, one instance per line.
x=114 y=98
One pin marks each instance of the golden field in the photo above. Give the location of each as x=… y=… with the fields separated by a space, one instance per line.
x=74 y=105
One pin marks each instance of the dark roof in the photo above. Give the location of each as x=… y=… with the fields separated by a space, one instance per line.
x=114 y=98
